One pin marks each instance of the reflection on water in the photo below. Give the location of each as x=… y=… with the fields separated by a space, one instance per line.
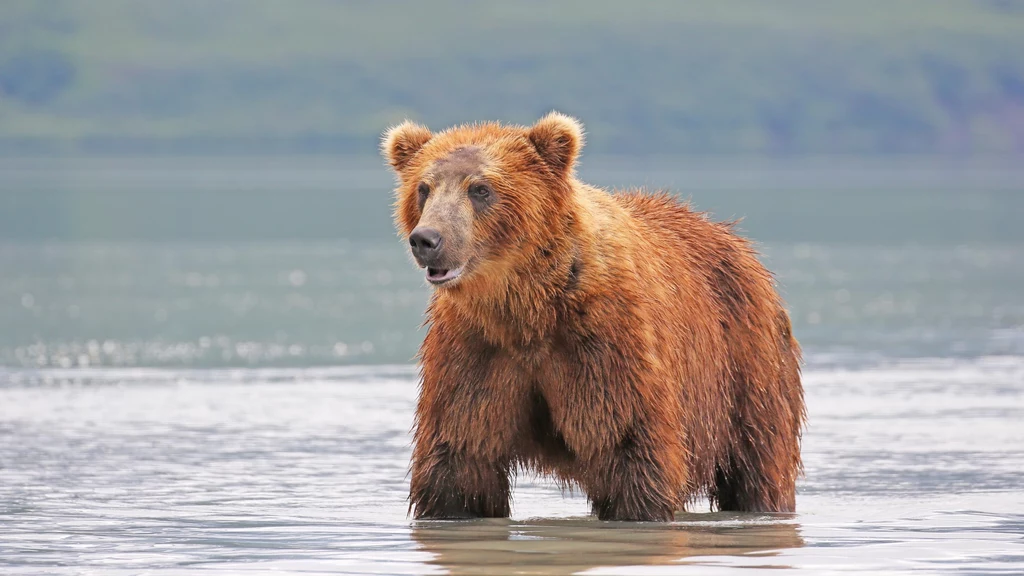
x=569 y=546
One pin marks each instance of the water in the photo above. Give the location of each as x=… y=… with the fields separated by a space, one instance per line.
x=913 y=465
x=240 y=403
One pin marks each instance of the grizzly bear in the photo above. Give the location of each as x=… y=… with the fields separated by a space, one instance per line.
x=619 y=342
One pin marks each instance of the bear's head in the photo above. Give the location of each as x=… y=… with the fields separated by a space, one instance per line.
x=479 y=202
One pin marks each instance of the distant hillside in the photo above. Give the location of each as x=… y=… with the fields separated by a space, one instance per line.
x=743 y=76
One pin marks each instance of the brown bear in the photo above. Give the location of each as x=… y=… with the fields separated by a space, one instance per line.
x=619 y=342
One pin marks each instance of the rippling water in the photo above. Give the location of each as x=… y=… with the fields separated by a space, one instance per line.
x=913 y=465
x=238 y=405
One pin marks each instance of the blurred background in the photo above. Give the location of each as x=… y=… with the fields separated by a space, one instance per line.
x=197 y=183
x=208 y=322
x=650 y=78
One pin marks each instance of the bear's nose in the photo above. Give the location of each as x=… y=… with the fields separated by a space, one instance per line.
x=426 y=243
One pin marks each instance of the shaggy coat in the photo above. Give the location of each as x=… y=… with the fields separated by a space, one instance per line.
x=621 y=343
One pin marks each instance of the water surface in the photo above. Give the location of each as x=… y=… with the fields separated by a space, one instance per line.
x=910 y=466
x=205 y=366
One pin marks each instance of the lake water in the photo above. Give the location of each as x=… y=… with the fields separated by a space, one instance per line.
x=204 y=366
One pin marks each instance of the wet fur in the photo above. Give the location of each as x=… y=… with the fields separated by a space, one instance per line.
x=621 y=343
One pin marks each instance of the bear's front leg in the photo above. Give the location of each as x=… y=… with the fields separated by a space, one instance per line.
x=451 y=484
x=468 y=416
x=640 y=480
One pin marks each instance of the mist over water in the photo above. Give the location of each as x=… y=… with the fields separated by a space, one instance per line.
x=205 y=365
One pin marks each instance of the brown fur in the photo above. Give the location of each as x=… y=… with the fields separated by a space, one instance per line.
x=621 y=343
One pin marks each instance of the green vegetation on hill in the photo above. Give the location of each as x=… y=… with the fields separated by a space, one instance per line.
x=666 y=77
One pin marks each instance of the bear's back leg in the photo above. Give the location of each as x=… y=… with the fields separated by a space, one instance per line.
x=759 y=474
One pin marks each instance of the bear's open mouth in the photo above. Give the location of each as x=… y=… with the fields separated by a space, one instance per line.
x=441 y=275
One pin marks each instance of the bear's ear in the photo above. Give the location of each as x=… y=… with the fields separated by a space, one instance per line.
x=558 y=139
x=400 y=143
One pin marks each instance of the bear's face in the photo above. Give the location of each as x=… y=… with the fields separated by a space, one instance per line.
x=473 y=201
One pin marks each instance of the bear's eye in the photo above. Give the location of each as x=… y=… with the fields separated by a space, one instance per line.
x=424 y=190
x=480 y=191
